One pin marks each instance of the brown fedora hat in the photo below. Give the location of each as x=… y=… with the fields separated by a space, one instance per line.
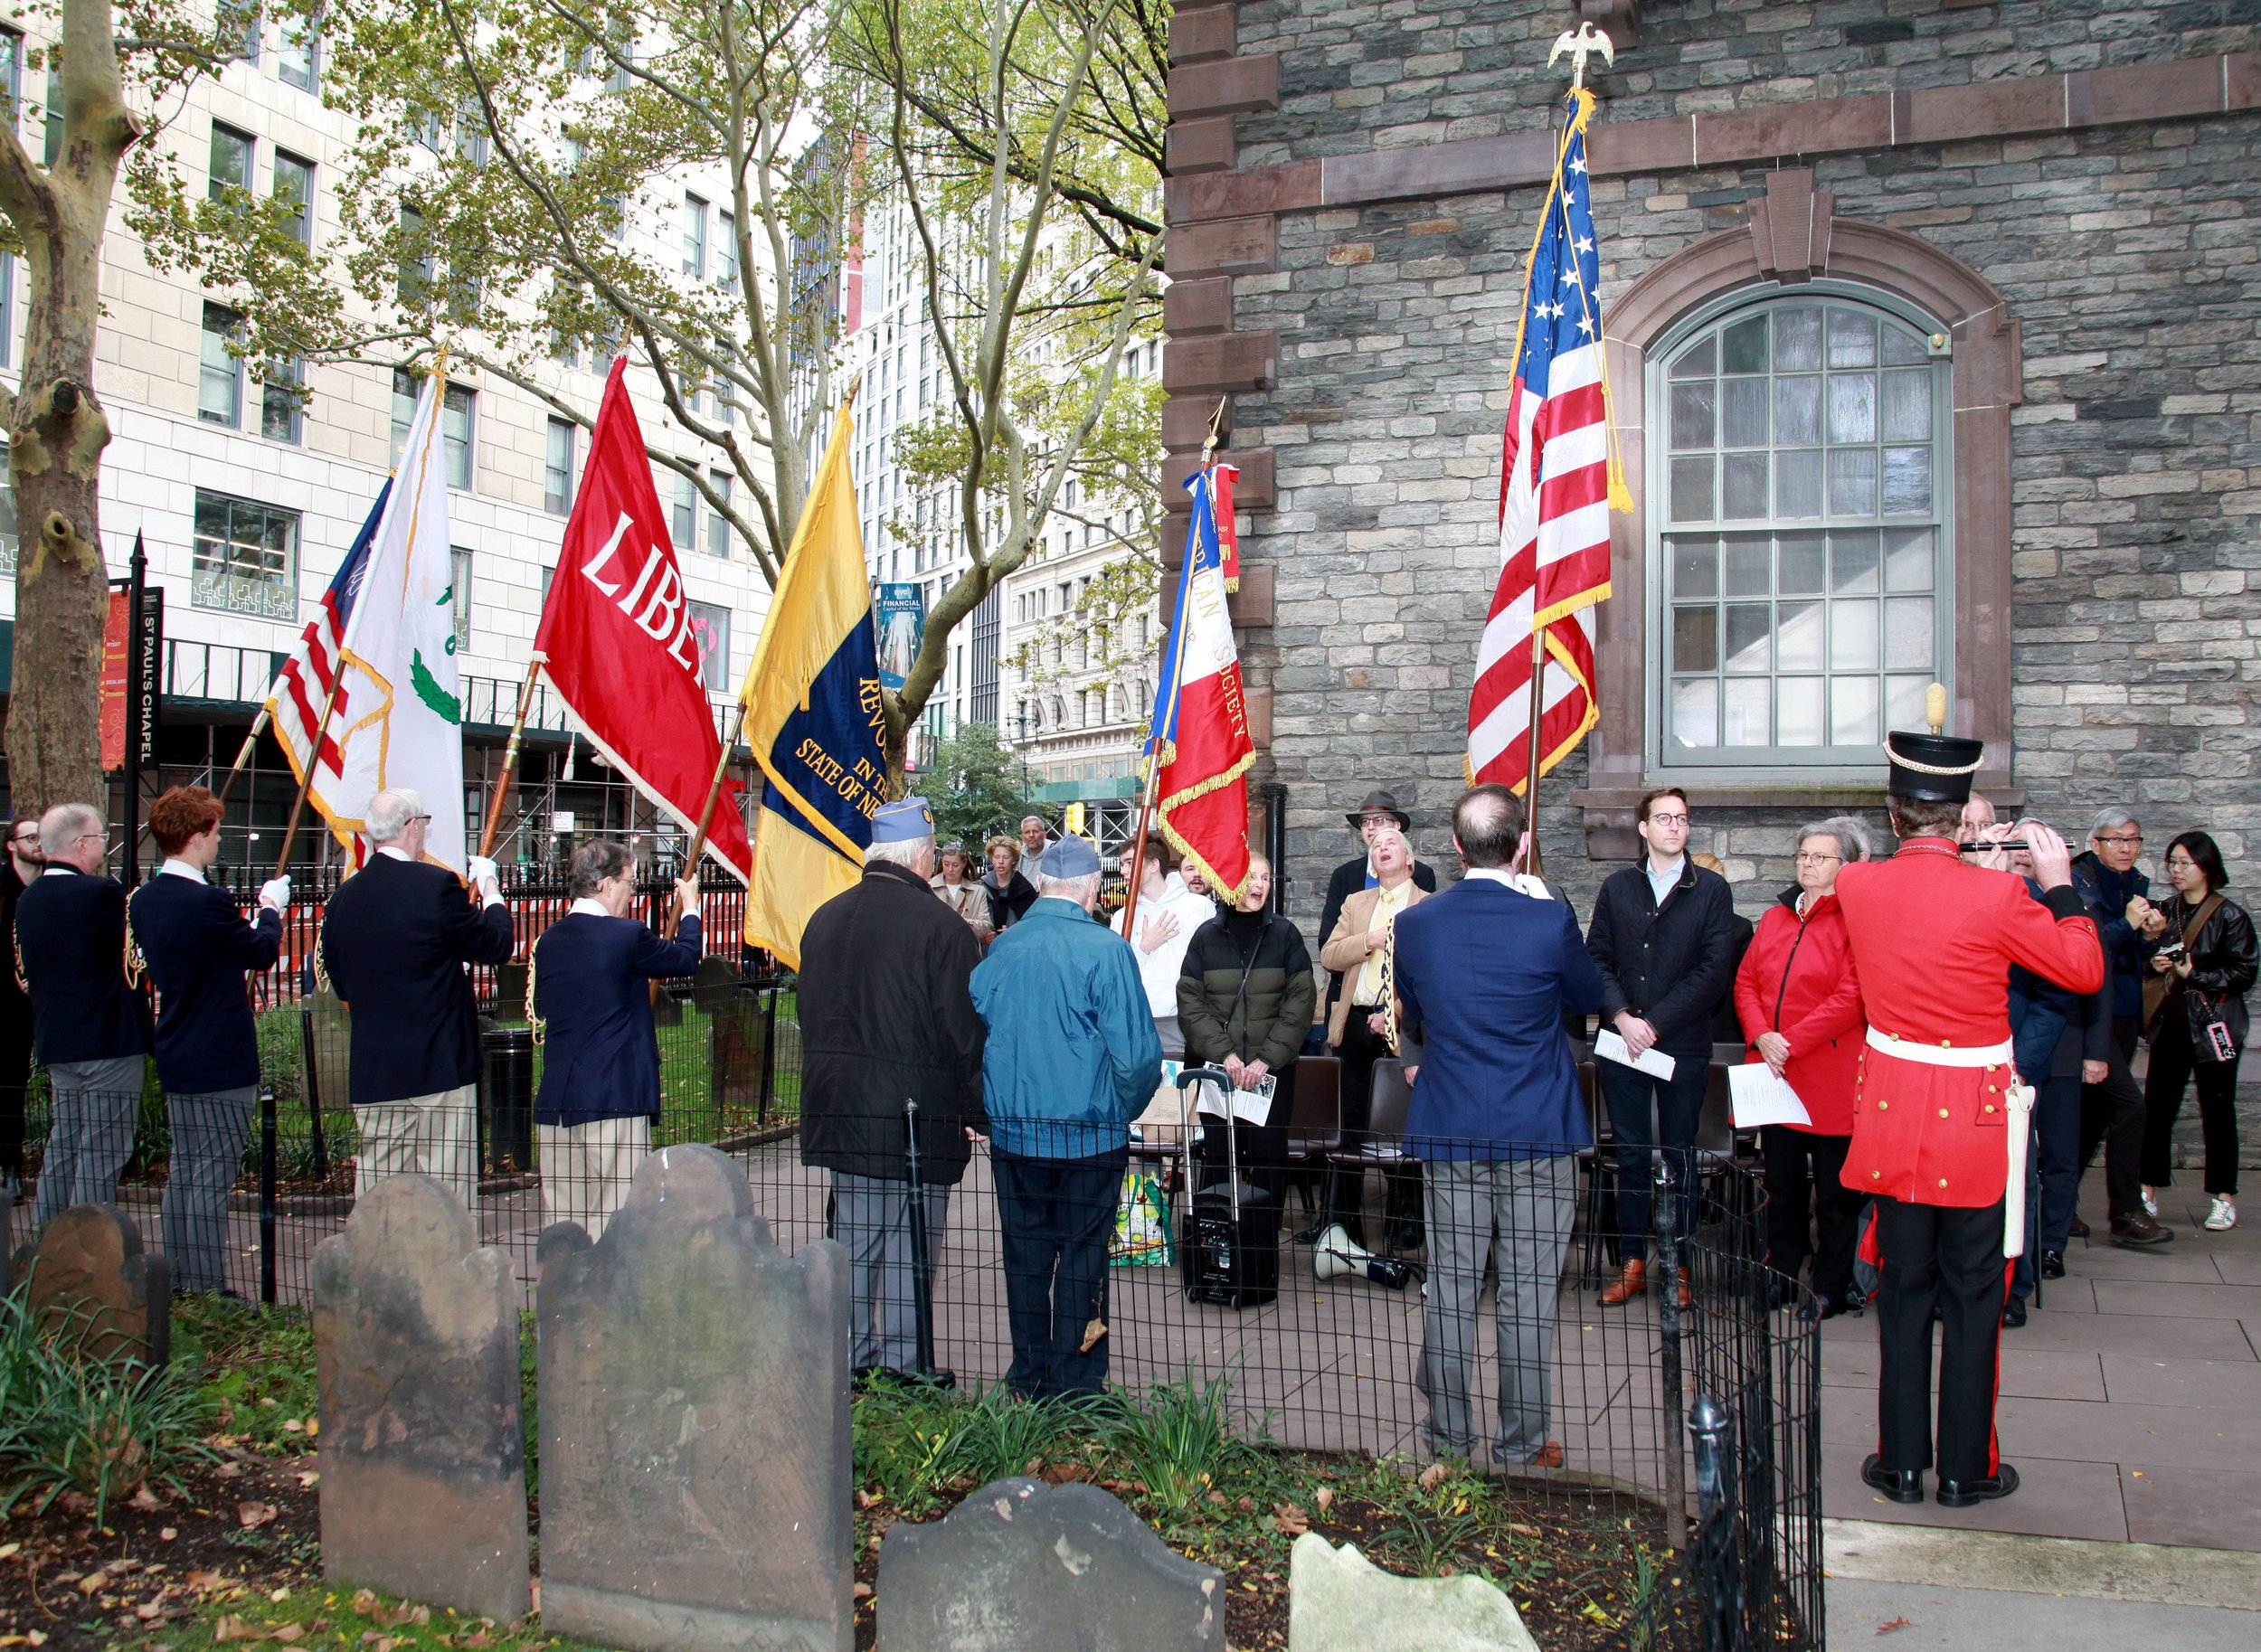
x=1379 y=803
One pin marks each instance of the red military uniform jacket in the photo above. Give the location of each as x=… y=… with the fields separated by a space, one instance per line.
x=1932 y=938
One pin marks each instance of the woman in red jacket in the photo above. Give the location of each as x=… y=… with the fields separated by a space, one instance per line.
x=1798 y=1002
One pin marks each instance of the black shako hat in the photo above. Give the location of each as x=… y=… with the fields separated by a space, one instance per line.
x=1931 y=768
x=1379 y=803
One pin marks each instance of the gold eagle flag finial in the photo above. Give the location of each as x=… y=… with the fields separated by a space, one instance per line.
x=1581 y=43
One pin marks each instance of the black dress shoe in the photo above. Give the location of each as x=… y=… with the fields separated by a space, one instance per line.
x=2052 y=1264
x=2014 y=1314
x=2080 y=1229
x=1970 y=1494
x=2134 y=1233
x=1900 y=1485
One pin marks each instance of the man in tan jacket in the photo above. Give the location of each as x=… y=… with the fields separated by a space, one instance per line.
x=1356 y=949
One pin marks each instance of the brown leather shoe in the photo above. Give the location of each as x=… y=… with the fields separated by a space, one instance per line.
x=1548 y=1456
x=1630 y=1284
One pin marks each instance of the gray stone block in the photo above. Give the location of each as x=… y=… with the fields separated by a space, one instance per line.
x=1340 y=1601
x=423 y=1489
x=1020 y=1566
x=89 y=1277
x=695 y=1460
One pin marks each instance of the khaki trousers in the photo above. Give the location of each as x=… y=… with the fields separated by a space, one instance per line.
x=586 y=1168
x=435 y=1136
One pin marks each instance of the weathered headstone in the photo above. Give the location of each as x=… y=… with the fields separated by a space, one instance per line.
x=666 y=1009
x=1021 y=1566
x=733 y=1021
x=91 y=1278
x=423 y=1465
x=697 y=1470
x=328 y=1029
x=1340 y=1601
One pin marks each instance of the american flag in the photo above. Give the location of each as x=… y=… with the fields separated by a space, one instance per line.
x=301 y=689
x=1557 y=489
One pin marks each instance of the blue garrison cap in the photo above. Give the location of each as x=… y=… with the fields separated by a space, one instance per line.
x=1071 y=857
x=903 y=822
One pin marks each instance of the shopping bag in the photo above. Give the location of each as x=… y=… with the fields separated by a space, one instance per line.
x=1142 y=1235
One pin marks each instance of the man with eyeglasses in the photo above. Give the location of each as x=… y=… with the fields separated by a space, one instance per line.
x=2111 y=1101
x=395 y=939
x=89 y=1025
x=1663 y=937
x=22 y=863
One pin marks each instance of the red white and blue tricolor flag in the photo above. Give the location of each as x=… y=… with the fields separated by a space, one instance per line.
x=1557 y=487
x=302 y=687
x=1200 y=727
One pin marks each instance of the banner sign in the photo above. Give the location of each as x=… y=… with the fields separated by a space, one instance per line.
x=900 y=613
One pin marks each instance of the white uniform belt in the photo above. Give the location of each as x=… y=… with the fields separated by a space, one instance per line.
x=1940 y=1055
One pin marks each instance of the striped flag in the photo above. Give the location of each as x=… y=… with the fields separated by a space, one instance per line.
x=1200 y=727
x=302 y=687
x=1558 y=485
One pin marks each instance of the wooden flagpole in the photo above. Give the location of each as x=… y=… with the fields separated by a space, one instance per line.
x=1177 y=677
x=510 y=755
x=243 y=753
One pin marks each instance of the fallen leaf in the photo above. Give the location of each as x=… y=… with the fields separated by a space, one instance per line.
x=204 y=1579
x=36 y=1637
x=92 y=1582
x=169 y=1533
x=862 y=1591
x=1219 y=1498
x=1092 y=1333
x=254 y=1514
x=149 y=1611
x=145 y=1500
x=1432 y=1476
x=537 y=1607
x=287 y=1633
x=278 y=1595
x=229 y=1471
x=314 y=1427
x=1325 y=1498
x=309 y=1479
x=1896 y=1623
x=363 y=1601
x=232 y=1628
x=291 y=1425
x=1292 y=1520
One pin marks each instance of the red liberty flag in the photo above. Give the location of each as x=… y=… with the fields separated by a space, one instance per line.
x=1200 y=728
x=617 y=640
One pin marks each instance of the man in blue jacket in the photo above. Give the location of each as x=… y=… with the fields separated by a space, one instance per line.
x=1486 y=972
x=588 y=986
x=2117 y=897
x=89 y=1027
x=192 y=940
x=1071 y=1058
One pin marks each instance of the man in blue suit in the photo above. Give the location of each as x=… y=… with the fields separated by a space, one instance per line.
x=395 y=938
x=1485 y=972
x=192 y=940
x=589 y=989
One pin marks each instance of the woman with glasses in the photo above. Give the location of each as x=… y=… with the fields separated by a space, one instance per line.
x=2202 y=973
x=1799 y=1001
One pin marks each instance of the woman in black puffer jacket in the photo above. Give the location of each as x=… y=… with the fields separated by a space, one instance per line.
x=2200 y=1026
x=1245 y=1001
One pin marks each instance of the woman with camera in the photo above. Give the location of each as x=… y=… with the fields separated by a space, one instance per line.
x=2195 y=1004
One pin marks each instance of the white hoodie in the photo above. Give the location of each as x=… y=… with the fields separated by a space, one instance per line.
x=1159 y=970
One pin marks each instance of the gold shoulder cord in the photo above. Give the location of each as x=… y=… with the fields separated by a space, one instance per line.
x=15 y=951
x=137 y=967
x=535 y=1023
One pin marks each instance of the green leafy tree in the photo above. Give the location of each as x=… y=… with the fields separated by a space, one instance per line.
x=976 y=784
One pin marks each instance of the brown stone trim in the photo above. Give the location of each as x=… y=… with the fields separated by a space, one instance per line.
x=1190 y=309
x=1234 y=194
x=1227 y=86
x=2184 y=89
x=1790 y=225
x=1186 y=419
x=1252 y=489
x=1220 y=363
x=1197 y=36
x=1204 y=144
x=1230 y=246
x=1987 y=378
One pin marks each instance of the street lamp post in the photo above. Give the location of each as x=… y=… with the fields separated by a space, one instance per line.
x=1021 y=718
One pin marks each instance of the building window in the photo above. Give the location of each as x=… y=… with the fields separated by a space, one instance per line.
x=246 y=558
x=726 y=253
x=239 y=29
x=455 y=423
x=709 y=629
x=683 y=519
x=459 y=593
x=7 y=308
x=471 y=133
x=299 y=63
x=294 y=190
x=230 y=164
x=8 y=515
x=693 y=236
x=220 y=371
x=412 y=273
x=557 y=469
x=718 y=525
x=50 y=149
x=283 y=402
x=1801 y=558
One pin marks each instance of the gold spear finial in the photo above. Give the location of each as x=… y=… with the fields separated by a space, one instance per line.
x=1582 y=44
x=1216 y=437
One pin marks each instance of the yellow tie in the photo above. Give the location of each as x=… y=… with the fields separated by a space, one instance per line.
x=1389 y=985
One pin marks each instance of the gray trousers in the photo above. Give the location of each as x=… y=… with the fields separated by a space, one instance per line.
x=871 y=1218
x=208 y=1132
x=1519 y=1210
x=90 y=1135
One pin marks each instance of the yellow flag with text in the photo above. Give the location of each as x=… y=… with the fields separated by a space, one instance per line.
x=814 y=716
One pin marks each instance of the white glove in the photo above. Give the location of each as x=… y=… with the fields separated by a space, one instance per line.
x=275 y=893
x=483 y=871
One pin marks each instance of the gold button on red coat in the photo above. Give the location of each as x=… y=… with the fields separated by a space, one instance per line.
x=1942 y=1181
x=1943 y=1112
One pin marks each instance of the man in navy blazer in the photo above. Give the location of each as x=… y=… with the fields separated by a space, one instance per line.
x=1485 y=971
x=192 y=944
x=395 y=939
x=589 y=989
x=89 y=1025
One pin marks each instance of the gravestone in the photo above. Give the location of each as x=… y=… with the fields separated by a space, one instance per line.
x=423 y=1488
x=695 y=1461
x=1340 y=1601
x=1021 y=1566
x=91 y=1278
x=327 y=1027
x=733 y=1036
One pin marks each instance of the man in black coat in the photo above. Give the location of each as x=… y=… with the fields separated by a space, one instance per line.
x=193 y=943
x=395 y=939
x=89 y=1025
x=22 y=863
x=1663 y=935
x=886 y=1018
